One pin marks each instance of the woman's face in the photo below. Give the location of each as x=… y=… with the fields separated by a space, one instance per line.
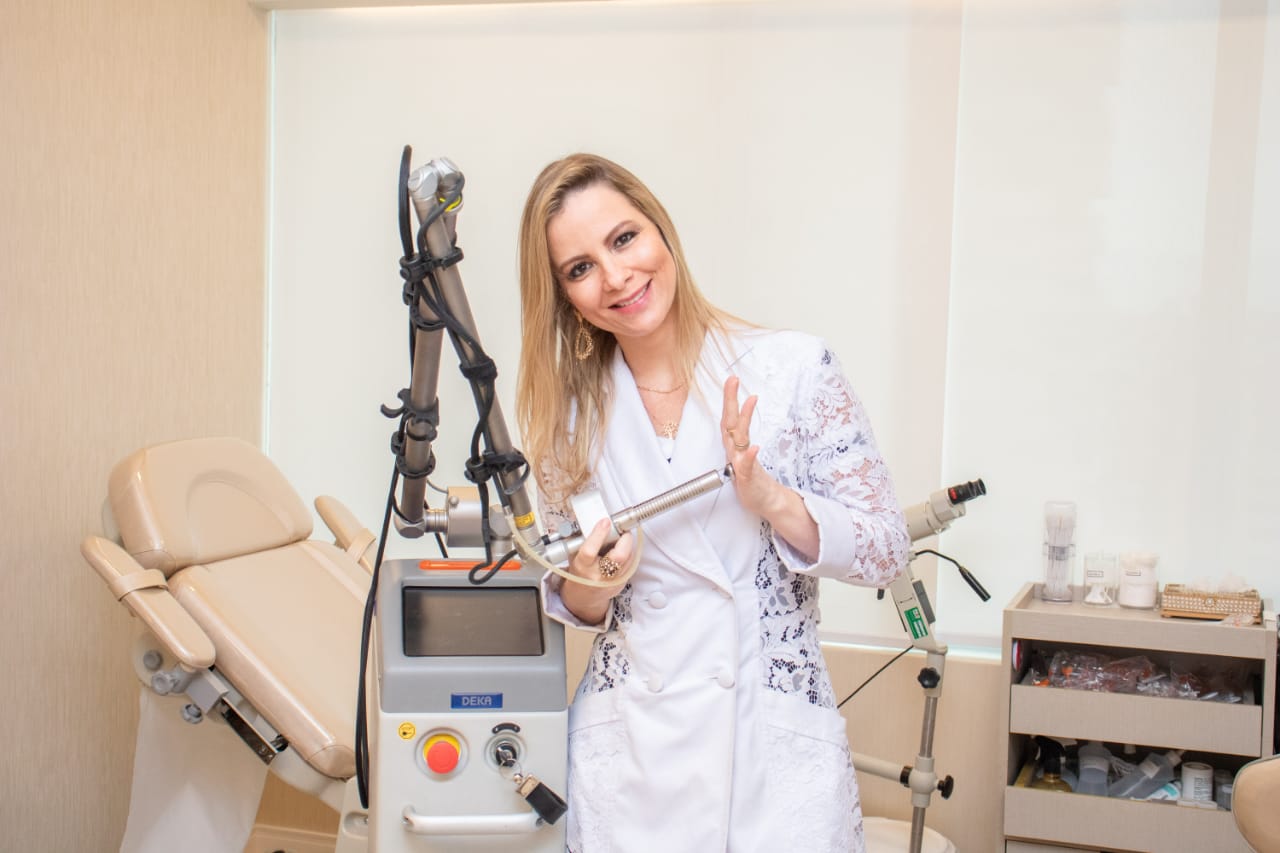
x=612 y=262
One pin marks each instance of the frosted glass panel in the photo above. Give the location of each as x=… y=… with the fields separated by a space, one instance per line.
x=804 y=149
x=1040 y=236
x=1114 y=213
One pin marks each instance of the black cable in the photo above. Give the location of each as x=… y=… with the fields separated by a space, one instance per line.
x=406 y=231
x=366 y=630
x=972 y=581
x=891 y=662
x=370 y=604
x=939 y=554
x=477 y=579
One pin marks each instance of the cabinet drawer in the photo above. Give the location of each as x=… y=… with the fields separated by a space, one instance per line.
x=1150 y=721
x=1079 y=819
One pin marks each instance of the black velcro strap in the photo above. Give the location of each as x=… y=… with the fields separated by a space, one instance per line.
x=418 y=266
x=417 y=423
x=483 y=370
x=402 y=461
x=481 y=468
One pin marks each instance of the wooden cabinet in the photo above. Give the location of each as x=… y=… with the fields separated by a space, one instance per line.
x=1223 y=734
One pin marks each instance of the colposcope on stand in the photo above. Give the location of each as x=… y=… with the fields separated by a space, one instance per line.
x=463 y=743
x=925 y=519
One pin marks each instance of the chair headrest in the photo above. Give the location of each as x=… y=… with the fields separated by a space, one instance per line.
x=202 y=500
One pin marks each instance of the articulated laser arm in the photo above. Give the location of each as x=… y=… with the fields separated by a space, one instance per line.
x=437 y=303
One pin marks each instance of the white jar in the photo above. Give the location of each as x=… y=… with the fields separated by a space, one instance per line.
x=1138 y=583
x=1197 y=782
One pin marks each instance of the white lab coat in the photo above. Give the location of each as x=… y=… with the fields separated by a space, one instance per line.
x=706 y=720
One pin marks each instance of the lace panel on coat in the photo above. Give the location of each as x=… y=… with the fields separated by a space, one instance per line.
x=609 y=665
x=790 y=650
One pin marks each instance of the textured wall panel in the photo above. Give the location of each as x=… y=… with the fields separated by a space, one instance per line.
x=133 y=169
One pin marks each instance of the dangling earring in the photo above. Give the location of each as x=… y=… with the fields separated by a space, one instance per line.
x=583 y=346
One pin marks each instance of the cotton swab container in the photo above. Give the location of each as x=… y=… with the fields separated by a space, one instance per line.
x=1059 y=550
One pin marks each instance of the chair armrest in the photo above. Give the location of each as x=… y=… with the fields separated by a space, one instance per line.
x=147 y=596
x=1253 y=802
x=348 y=533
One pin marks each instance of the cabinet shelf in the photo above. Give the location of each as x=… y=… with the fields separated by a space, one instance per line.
x=1036 y=819
x=1103 y=822
x=1029 y=618
x=1121 y=718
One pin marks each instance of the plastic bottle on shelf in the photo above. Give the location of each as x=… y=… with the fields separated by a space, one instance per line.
x=1095 y=762
x=1150 y=773
x=1123 y=763
x=1051 y=763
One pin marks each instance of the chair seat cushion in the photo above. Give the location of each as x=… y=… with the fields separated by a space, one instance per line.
x=286 y=627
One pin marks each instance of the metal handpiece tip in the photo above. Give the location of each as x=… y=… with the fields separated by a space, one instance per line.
x=727 y=473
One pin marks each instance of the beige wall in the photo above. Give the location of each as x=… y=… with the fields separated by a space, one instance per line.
x=133 y=175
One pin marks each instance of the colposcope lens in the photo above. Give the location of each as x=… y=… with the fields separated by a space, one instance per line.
x=966 y=491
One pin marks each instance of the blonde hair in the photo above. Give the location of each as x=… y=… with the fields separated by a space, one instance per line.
x=553 y=386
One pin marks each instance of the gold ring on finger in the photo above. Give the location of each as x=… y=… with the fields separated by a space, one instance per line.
x=608 y=567
x=741 y=446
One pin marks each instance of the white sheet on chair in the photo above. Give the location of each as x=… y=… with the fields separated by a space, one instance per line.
x=195 y=787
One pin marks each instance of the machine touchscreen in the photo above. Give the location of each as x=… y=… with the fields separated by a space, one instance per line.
x=460 y=622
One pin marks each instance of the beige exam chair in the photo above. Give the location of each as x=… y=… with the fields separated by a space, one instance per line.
x=243 y=613
x=1254 y=803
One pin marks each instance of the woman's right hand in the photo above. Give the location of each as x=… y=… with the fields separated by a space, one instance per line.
x=591 y=603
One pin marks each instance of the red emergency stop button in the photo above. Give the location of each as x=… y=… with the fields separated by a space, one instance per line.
x=442 y=753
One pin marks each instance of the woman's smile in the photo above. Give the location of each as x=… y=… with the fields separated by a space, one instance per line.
x=635 y=301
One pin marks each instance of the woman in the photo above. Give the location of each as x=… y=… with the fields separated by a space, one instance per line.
x=705 y=720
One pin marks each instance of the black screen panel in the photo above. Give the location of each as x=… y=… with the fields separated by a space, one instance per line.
x=461 y=622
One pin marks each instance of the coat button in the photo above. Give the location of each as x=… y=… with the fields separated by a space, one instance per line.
x=657 y=600
x=654 y=683
x=725 y=679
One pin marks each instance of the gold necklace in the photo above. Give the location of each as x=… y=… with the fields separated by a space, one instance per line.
x=668 y=429
x=661 y=390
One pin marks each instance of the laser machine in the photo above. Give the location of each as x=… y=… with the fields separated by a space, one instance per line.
x=461 y=739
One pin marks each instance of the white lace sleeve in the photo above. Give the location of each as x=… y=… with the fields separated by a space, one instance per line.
x=828 y=454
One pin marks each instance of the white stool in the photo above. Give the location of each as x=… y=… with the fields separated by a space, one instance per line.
x=894 y=836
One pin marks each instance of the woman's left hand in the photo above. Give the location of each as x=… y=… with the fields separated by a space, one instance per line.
x=758 y=492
